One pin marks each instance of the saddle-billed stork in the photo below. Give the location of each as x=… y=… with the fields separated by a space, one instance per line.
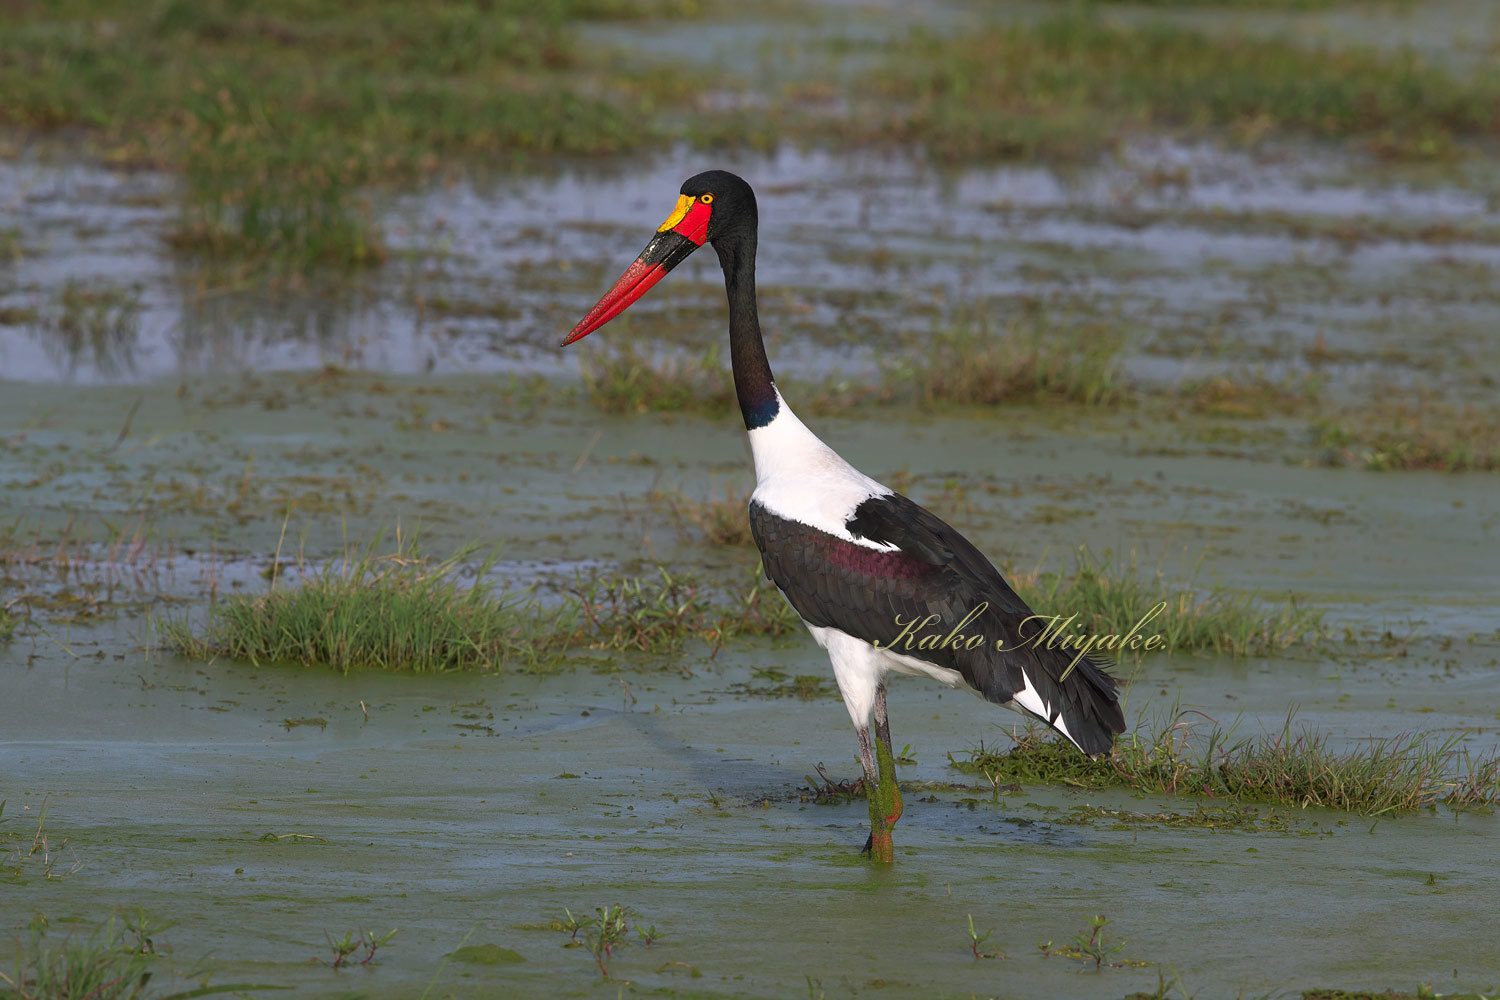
x=861 y=563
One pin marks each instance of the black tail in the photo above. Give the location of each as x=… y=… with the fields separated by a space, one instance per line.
x=1078 y=699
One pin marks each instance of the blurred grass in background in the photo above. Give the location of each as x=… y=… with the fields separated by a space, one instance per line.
x=279 y=112
x=281 y=115
x=1073 y=85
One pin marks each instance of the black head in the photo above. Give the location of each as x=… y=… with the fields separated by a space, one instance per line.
x=732 y=201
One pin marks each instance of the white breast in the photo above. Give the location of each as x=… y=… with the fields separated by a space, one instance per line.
x=800 y=478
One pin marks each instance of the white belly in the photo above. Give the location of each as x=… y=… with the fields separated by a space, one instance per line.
x=860 y=669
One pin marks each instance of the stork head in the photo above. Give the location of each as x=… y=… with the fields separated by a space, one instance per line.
x=713 y=207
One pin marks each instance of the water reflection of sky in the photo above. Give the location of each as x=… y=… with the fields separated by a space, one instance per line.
x=486 y=274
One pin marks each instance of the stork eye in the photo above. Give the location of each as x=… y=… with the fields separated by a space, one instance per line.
x=707 y=199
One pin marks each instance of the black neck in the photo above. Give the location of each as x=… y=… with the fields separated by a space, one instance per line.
x=753 y=383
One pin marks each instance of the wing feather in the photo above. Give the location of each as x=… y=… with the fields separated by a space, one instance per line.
x=934 y=570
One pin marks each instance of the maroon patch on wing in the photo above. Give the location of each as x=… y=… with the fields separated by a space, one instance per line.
x=870 y=562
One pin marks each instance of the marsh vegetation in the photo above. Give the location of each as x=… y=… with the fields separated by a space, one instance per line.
x=120 y=960
x=1072 y=85
x=1187 y=754
x=401 y=611
x=279 y=115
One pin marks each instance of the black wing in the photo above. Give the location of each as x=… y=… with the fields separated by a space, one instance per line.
x=832 y=582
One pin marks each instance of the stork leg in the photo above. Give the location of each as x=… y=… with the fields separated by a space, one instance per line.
x=881 y=791
x=878 y=844
x=886 y=758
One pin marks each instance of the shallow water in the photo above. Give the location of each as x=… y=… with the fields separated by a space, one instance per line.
x=1244 y=254
x=447 y=812
x=441 y=812
x=236 y=469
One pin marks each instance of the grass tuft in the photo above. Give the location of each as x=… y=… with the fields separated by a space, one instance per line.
x=659 y=614
x=1249 y=396
x=39 y=850
x=75 y=572
x=1027 y=362
x=1421 y=436
x=117 y=962
x=96 y=967
x=403 y=612
x=253 y=202
x=719 y=520
x=1377 y=777
x=625 y=380
x=607 y=930
x=96 y=320
x=369 y=611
